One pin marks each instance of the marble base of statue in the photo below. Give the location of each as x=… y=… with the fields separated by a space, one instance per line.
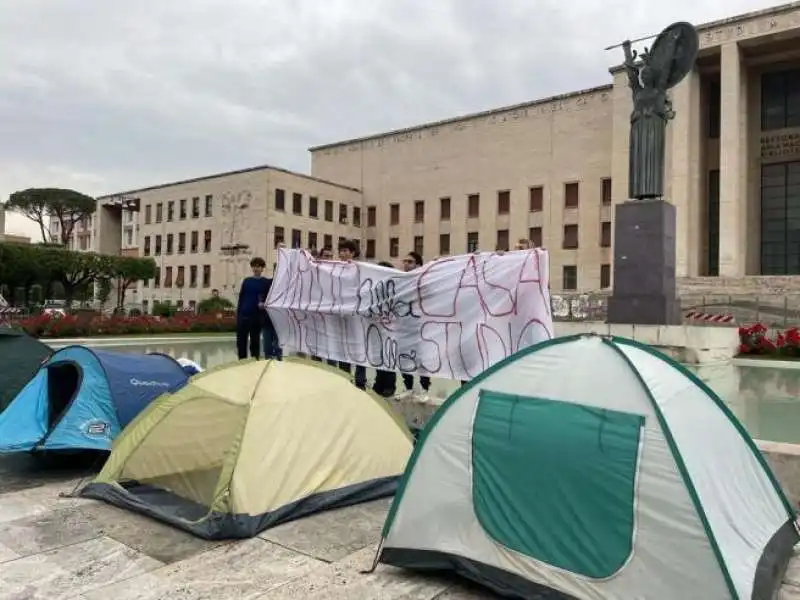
x=644 y=291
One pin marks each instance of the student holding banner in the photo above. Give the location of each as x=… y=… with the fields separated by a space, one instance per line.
x=411 y=262
x=385 y=381
x=348 y=251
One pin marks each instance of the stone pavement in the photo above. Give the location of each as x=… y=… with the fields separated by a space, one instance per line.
x=61 y=548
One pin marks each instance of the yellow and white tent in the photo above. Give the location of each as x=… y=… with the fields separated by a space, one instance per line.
x=247 y=446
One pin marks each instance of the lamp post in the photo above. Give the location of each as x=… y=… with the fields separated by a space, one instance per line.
x=233 y=205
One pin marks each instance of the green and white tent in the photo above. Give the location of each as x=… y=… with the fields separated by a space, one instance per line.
x=595 y=468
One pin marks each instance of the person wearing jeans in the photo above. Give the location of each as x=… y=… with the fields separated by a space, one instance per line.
x=249 y=311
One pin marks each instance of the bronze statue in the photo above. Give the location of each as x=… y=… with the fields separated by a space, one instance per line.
x=650 y=75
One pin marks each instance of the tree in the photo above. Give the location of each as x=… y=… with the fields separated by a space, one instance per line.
x=21 y=266
x=127 y=270
x=39 y=204
x=75 y=270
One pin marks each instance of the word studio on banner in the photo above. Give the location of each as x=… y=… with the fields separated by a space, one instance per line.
x=451 y=318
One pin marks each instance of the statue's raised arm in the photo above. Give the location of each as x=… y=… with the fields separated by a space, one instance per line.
x=631 y=68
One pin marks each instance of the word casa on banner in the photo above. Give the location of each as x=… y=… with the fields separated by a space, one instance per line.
x=452 y=318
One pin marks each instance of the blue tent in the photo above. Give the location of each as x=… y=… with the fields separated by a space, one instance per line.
x=81 y=399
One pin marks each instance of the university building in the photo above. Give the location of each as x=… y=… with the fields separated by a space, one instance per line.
x=549 y=170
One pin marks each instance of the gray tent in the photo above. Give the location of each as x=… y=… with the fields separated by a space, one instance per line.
x=20 y=358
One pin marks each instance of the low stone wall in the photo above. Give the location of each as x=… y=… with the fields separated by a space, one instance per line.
x=688 y=344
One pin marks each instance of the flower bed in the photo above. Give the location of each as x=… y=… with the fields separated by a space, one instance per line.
x=757 y=341
x=53 y=326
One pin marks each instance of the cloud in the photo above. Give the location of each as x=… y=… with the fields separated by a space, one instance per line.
x=106 y=96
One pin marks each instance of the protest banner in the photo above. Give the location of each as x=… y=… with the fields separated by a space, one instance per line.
x=451 y=318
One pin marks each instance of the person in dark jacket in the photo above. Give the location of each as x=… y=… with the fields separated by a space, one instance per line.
x=250 y=310
x=411 y=262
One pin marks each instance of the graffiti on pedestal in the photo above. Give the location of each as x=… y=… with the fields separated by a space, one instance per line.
x=579 y=307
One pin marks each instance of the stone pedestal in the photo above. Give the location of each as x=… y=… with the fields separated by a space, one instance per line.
x=644 y=265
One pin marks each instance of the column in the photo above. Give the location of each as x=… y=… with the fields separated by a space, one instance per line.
x=732 y=163
x=621 y=130
x=686 y=175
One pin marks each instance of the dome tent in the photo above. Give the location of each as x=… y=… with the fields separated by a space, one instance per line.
x=592 y=467
x=21 y=355
x=247 y=446
x=81 y=398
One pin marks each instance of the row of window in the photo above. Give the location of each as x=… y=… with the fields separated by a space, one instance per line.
x=179 y=304
x=503 y=241
x=312 y=241
x=535 y=203
x=183 y=209
x=313 y=208
x=180 y=277
x=194 y=243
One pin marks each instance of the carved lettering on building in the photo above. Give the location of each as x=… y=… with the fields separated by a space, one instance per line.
x=780 y=145
x=738 y=31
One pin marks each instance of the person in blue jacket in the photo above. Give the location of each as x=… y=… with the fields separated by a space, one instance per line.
x=250 y=310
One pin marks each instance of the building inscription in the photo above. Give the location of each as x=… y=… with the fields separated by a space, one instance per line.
x=780 y=145
x=558 y=105
x=749 y=29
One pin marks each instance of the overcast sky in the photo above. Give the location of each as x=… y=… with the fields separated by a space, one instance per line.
x=103 y=96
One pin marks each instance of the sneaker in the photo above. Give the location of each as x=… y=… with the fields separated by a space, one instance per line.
x=404 y=395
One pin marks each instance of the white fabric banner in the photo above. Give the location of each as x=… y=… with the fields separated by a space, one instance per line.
x=451 y=318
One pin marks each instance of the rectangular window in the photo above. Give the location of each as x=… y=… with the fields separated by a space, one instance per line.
x=713 y=109
x=170 y=243
x=571 y=195
x=196 y=207
x=536 y=199
x=193 y=276
x=780 y=99
x=394 y=214
x=372 y=216
x=158 y=246
x=312 y=240
x=297 y=204
x=605 y=277
x=329 y=211
x=502 y=240
x=419 y=245
x=394 y=247
x=168 y=277
x=535 y=236
x=343 y=214
x=569 y=277
x=780 y=211
x=279 y=235
x=195 y=242
x=171 y=210
x=159 y=212
x=313 y=207
x=605 y=190
x=473 y=206
x=327 y=241
x=209 y=205
x=356 y=216
x=280 y=199
x=472 y=241
x=182 y=243
x=503 y=202
x=157 y=278
x=206 y=276
x=179 y=279
x=182 y=209
x=207 y=240
x=370 y=249
x=148 y=214
x=444 y=209
x=605 y=234
x=444 y=244
x=297 y=238
x=147 y=245
x=570 y=237
x=419 y=211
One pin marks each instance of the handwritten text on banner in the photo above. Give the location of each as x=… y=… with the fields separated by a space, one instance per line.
x=451 y=318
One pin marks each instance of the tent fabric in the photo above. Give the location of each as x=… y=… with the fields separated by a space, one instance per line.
x=592 y=467
x=246 y=446
x=81 y=399
x=20 y=357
